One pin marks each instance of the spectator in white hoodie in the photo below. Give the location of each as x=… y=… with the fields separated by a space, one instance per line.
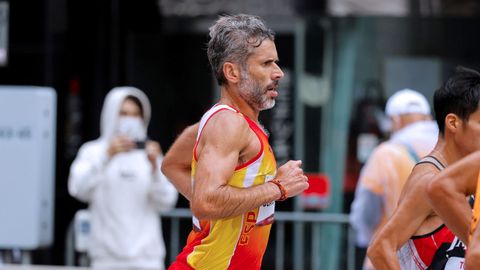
x=119 y=176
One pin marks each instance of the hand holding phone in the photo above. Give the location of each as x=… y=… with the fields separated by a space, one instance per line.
x=120 y=144
x=153 y=150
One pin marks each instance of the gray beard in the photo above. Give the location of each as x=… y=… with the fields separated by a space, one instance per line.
x=251 y=92
x=255 y=100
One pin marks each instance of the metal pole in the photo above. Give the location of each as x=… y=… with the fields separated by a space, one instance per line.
x=299 y=120
x=174 y=238
x=335 y=130
x=350 y=248
x=26 y=257
x=280 y=245
x=69 y=247
x=315 y=254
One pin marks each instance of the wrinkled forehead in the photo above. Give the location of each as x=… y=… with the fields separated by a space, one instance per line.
x=267 y=49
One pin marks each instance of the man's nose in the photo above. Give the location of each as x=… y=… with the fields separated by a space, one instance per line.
x=277 y=73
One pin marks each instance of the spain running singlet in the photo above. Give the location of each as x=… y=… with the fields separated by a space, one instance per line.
x=237 y=242
x=440 y=249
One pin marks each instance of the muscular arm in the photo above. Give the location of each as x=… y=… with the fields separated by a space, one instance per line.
x=447 y=194
x=412 y=210
x=177 y=162
x=218 y=151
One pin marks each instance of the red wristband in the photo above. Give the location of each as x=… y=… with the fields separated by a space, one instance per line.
x=283 y=191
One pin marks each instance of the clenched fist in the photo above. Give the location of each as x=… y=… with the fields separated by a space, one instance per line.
x=292 y=178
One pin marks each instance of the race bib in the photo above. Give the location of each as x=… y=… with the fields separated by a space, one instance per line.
x=266 y=211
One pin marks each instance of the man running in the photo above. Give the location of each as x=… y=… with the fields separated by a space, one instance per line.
x=414 y=228
x=234 y=173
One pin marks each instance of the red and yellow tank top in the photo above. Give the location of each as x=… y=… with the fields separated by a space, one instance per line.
x=237 y=242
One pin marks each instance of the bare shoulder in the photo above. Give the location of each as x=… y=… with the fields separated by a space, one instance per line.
x=226 y=122
x=418 y=181
x=226 y=127
x=423 y=174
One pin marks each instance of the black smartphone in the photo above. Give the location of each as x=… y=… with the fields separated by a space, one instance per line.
x=140 y=144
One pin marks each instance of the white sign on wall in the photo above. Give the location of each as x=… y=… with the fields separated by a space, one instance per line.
x=27 y=166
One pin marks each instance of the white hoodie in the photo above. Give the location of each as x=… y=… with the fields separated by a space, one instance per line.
x=124 y=196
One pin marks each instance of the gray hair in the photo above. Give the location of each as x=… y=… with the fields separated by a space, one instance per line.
x=232 y=39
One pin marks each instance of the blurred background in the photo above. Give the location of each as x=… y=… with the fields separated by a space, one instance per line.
x=342 y=59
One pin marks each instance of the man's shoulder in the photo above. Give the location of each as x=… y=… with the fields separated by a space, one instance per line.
x=224 y=120
x=226 y=126
x=389 y=149
x=423 y=174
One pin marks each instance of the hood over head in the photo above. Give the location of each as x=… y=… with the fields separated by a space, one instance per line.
x=111 y=109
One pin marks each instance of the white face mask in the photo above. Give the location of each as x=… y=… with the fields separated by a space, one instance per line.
x=132 y=127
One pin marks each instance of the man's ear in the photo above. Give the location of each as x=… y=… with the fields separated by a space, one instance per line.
x=452 y=122
x=231 y=72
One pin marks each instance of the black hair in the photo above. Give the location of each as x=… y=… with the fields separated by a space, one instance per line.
x=459 y=94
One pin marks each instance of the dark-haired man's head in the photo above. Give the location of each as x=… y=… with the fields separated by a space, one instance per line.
x=459 y=95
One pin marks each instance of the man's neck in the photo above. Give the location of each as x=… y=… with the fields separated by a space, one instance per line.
x=447 y=151
x=230 y=97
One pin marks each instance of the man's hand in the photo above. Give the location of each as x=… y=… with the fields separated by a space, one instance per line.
x=120 y=144
x=292 y=178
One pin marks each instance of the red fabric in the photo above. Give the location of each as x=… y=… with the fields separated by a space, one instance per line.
x=194 y=238
x=427 y=245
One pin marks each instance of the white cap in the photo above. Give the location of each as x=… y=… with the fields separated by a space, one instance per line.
x=407 y=101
